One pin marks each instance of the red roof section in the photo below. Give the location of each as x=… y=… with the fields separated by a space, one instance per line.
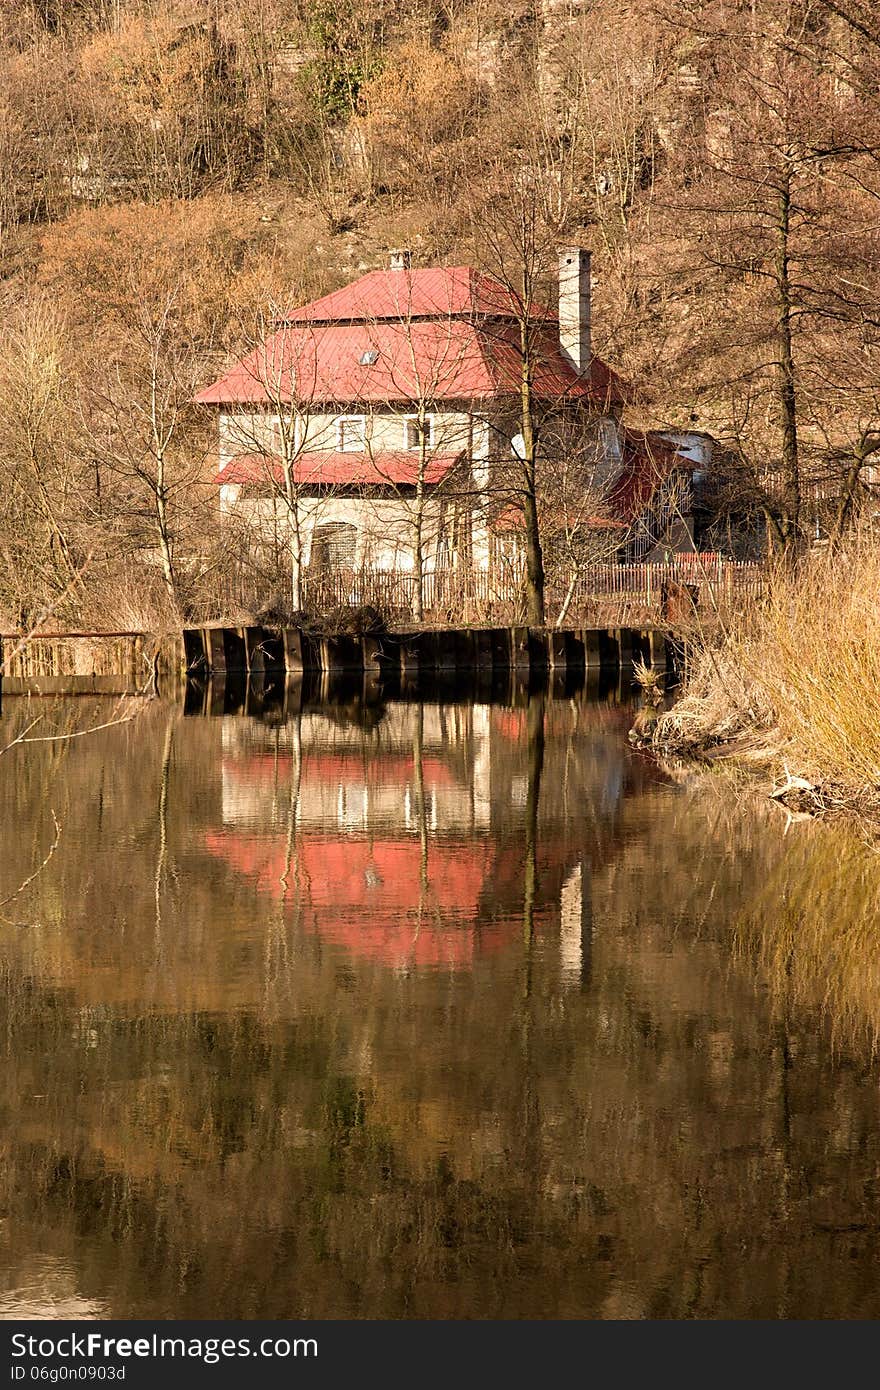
x=441 y=334
x=426 y=360
x=350 y=469
x=648 y=461
x=510 y=518
x=434 y=292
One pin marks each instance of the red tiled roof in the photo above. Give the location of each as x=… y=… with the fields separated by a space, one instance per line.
x=647 y=462
x=437 y=291
x=428 y=360
x=326 y=469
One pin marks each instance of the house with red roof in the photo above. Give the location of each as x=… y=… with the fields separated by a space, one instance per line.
x=381 y=424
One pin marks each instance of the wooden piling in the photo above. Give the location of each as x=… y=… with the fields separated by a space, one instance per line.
x=653 y=649
x=518 y=638
x=409 y=655
x=255 y=652
x=566 y=651
x=624 y=639
x=340 y=652
x=294 y=655
x=482 y=658
x=236 y=649
x=214 y=644
x=439 y=652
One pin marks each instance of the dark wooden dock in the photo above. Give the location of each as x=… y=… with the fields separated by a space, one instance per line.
x=409 y=662
x=216 y=650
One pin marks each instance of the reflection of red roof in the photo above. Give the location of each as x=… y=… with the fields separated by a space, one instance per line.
x=509 y=723
x=367 y=895
x=326 y=469
x=332 y=768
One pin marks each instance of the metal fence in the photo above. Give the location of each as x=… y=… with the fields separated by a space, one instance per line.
x=593 y=595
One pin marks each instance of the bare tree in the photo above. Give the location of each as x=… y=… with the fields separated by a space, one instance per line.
x=417 y=414
x=46 y=511
x=273 y=433
x=554 y=460
x=768 y=210
x=141 y=433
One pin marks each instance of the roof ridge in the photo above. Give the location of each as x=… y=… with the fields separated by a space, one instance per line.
x=459 y=291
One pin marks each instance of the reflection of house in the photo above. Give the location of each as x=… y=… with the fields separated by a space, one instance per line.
x=337 y=784
x=395 y=404
x=411 y=853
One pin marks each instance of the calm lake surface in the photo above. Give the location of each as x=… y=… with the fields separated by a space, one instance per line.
x=425 y=1010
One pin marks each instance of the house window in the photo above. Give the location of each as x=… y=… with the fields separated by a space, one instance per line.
x=334 y=545
x=609 y=439
x=351 y=433
x=417 y=432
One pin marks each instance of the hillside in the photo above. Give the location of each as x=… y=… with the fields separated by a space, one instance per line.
x=170 y=170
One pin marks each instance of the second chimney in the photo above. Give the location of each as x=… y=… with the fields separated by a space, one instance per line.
x=401 y=259
x=574 y=306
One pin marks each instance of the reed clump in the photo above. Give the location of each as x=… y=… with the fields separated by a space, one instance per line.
x=792 y=679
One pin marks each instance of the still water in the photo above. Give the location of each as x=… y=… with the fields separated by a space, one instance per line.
x=425 y=1010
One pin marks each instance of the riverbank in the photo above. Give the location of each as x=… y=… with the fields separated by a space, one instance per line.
x=787 y=688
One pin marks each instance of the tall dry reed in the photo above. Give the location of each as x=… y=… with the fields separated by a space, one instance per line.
x=798 y=670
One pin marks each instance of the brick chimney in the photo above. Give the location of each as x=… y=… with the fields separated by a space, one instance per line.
x=401 y=259
x=574 y=306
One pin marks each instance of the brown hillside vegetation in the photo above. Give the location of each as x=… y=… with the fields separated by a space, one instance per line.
x=167 y=169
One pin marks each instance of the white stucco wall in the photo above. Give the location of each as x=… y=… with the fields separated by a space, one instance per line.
x=255 y=431
x=384 y=525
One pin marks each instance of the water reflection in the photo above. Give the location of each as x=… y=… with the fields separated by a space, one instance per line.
x=379 y=1008
x=413 y=842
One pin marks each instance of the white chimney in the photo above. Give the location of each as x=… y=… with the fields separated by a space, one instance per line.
x=574 y=306
x=401 y=260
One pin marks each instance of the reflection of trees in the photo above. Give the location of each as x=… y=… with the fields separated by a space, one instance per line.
x=530 y=1106
x=535 y=737
x=438 y=1142
x=162 y=818
x=419 y=780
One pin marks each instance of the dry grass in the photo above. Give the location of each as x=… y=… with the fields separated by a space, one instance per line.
x=795 y=676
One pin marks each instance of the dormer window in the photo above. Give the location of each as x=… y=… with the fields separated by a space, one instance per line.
x=351 y=434
x=417 y=432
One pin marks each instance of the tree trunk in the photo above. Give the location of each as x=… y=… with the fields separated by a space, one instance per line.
x=867 y=446
x=162 y=528
x=787 y=391
x=419 y=779
x=418 y=603
x=534 y=553
x=295 y=536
